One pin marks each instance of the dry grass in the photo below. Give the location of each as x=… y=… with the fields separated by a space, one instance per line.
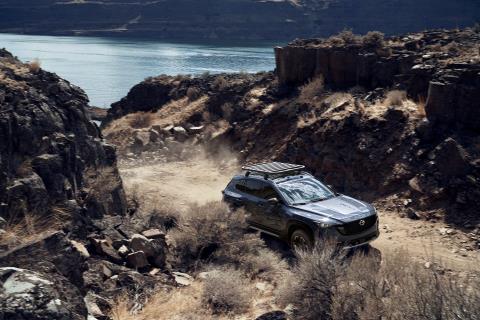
x=30 y=227
x=141 y=120
x=326 y=286
x=227 y=291
x=421 y=107
x=34 y=66
x=179 y=304
x=312 y=90
x=396 y=98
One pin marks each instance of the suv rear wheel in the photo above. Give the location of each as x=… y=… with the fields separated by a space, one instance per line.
x=301 y=240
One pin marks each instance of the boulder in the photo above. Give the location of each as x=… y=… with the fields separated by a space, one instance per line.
x=182 y=279
x=137 y=260
x=154 y=234
x=451 y=158
x=27 y=295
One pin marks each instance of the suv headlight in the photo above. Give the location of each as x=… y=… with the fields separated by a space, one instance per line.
x=325 y=223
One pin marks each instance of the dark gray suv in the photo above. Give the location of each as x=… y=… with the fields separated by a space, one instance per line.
x=285 y=201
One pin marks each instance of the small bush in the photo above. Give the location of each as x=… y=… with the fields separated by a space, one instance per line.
x=34 y=66
x=311 y=284
x=193 y=93
x=396 y=98
x=204 y=229
x=220 y=83
x=227 y=291
x=374 y=39
x=141 y=120
x=349 y=37
x=311 y=90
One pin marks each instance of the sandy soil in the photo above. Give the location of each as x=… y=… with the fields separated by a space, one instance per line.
x=201 y=179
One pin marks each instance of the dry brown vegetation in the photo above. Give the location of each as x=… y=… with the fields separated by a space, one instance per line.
x=141 y=120
x=34 y=66
x=30 y=227
x=312 y=90
x=227 y=291
x=327 y=285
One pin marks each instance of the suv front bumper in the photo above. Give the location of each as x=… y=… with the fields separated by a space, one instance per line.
x=349 y=241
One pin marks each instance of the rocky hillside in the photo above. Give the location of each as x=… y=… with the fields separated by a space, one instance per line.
x=63 y=207
x=392 y=119
x=232 y=19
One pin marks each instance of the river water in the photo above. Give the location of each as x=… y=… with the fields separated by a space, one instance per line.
x=106 y=68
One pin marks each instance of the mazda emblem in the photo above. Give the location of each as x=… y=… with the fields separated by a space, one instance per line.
x=361 y=222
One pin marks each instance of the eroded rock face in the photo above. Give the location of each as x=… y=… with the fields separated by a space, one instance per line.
x=50 y=149
x=27 y=295
x=435 y=66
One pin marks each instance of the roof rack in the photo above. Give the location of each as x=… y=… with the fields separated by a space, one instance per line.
x=273 y=169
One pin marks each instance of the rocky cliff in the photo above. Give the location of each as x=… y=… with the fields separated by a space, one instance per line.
x=404 y=130
x=51 y=152
x=233 y=19
x=62 y=203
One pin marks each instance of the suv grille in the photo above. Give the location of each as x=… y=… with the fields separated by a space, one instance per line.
x=356 y=226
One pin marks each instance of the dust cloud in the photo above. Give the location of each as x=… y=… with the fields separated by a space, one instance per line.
x=198 y=178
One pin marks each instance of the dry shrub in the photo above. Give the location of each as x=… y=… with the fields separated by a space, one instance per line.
x=193 y=93
x=323 y=286
x=396 y=98
x=311 y=90
x=204 y=229
x=310 y=285
x=220 y=83
x=141 y=120
x=227 y=291
x=34 y=66
x=452 y=48
x=213 y=233
x=374 y=39
x=179 y=304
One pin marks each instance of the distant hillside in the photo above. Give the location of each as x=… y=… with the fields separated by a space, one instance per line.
x=232 y=19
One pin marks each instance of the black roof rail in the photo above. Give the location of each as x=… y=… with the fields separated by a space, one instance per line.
x=276 y=169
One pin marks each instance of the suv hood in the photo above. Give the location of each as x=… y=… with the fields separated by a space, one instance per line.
x=341 y=208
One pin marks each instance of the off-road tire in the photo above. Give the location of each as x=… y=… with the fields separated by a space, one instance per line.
x=300 y=239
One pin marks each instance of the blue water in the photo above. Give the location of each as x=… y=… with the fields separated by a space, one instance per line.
x=106 y=68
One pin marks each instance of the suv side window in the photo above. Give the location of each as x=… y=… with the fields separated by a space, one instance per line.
x=259 y=189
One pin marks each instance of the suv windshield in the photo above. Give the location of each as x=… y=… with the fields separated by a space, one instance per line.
x=304 y=190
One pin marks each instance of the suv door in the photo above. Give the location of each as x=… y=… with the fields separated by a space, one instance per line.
x=272 y=213
x=263 y=213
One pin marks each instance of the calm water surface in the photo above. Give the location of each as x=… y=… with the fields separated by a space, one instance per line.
x=106 y=68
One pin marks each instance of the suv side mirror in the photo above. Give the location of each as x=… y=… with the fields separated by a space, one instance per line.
x=273 y=201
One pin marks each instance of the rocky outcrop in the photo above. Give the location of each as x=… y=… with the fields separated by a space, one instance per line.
x=435 y=66
x=26 y=295
x=51 y=152
x=233 y=19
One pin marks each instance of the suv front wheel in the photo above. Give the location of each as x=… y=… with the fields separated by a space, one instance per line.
x=301 y=240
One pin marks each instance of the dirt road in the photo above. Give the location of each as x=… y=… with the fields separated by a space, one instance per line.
x=202 y=179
